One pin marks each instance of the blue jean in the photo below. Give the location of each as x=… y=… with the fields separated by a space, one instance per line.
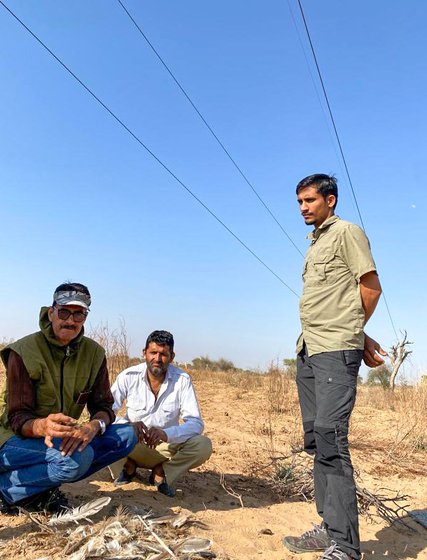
x=28 y=467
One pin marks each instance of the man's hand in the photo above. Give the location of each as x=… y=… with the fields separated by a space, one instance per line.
x=372 y=351
x=140 y=431
x=55 y=425
x=79 y=438
x=154 y=436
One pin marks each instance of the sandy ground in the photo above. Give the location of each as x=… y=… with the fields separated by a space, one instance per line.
x=246 y=434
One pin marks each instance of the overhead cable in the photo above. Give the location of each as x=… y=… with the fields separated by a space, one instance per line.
x=152 y=154
x=208 y=126
x=316 y=89
x=339 y=141
x=330 y=111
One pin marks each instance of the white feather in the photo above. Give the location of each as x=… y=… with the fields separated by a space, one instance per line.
x=83 y=512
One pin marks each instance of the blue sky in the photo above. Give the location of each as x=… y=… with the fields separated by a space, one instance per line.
x=82 y=200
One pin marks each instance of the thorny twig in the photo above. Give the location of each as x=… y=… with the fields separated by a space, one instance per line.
x=225 y=486
x=273 y=461
x=229 y=491
x=42 y=526
x=158 y=539
x=295 y=479
x=392 y=515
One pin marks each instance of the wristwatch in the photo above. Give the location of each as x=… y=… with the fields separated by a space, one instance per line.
x=102 y=425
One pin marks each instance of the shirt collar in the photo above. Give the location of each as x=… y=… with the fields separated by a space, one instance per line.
x=315 y=234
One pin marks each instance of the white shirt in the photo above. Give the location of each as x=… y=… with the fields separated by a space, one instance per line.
x=176 y=399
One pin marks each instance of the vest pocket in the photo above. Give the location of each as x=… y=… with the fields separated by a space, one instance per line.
x=82 y=398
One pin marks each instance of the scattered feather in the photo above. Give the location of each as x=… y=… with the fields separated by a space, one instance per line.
x=79 y=555
x=83 y=512
x=118 y=537
x=116 y=530
x=194 y=544
x=141 y=511
x=180 y=520
x=163 y=520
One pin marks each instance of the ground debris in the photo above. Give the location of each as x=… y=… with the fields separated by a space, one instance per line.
x=293 y=478
x=123 y=536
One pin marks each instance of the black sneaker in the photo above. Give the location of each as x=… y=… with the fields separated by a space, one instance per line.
x=165 y=489
x=50 y=501
x=310 y=541
x=124 y=478
x=335 y=553
x=56 y=501
x=162 y=487
x=6 y=508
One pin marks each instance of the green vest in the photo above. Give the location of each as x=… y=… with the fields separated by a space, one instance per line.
x=59 y=373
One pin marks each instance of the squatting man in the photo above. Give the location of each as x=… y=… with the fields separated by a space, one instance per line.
x=51 y=375
x=157 y=396
x=341 y=291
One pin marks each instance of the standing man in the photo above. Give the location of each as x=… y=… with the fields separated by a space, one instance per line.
x=341 y=291
x=157 y=396
x=51 y=375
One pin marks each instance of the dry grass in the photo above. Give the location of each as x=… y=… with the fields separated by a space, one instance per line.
x=116 y=346
x=391 y=421
x=403 y=424
x=388 y=426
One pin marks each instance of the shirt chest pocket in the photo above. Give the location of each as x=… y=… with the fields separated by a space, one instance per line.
x=320 y=269
x=137 y=411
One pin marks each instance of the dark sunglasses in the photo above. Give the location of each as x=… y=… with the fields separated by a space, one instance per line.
x=78 y=316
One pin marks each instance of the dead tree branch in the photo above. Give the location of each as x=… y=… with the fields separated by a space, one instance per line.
x=398 y=354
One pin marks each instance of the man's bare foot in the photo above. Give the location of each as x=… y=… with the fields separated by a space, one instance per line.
x=158 y=474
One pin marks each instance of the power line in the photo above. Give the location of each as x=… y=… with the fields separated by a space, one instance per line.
x=152 y=154
x=316 y=89
x=208 y=126
x=338 y=139
x=330 y=111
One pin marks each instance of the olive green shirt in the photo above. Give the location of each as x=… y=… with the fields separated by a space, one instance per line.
x=331 y=311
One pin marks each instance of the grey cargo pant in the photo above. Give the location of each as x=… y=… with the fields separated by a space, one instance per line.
x=327 y=392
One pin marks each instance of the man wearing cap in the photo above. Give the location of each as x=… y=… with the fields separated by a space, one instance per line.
x=51 y=375
x=157 y=395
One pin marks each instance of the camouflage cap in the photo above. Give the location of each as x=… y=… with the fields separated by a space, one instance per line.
x=72 y=297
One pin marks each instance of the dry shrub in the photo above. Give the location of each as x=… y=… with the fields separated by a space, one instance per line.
x=116 y=346
x=280 y=391
x=247 y=381
x=407 y=426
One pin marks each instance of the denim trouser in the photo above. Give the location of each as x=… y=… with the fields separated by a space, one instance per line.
x=327 y=393
x=28 y=467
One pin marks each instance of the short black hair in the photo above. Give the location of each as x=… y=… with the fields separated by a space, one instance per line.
x=324 y=184
x=71 y=287
x=162 y=338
